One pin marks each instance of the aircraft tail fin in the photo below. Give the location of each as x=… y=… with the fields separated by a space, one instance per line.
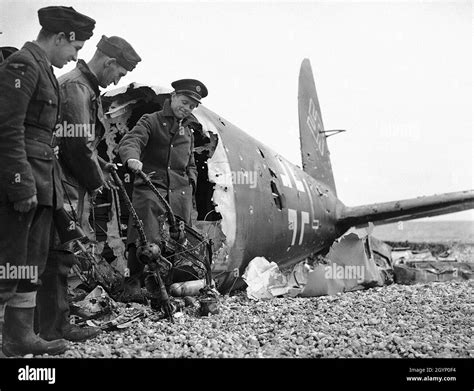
x=314 y=150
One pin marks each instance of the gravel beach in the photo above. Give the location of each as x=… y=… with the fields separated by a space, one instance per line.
x=397 y=321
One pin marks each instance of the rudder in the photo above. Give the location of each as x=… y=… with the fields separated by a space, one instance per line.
x=314 y=150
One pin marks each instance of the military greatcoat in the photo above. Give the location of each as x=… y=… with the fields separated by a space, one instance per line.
x=165 y=147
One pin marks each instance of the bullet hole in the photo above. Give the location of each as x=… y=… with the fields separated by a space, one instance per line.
x=277 y=197
x=272 y=173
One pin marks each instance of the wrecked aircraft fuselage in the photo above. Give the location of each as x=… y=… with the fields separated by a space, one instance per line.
x=250 y=200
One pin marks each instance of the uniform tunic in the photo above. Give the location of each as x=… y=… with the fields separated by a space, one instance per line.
x=166 y=148
x=81 y=112
x=29 y=102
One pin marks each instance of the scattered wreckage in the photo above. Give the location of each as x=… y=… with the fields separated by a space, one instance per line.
x=165 y=264
x=250 y=203
x=354 y=262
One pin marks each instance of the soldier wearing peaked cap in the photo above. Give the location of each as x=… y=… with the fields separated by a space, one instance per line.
x=162 y=142
x=84 y=172
x=192 y=88
x=29 y=174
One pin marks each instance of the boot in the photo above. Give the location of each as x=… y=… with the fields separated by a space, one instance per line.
x=132 y=286
x=74 y=333
x=19 y=338
x=132 y=291
x=53 y=305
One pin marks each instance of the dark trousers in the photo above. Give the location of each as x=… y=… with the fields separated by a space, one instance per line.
x=24 y=240
x=52 y=308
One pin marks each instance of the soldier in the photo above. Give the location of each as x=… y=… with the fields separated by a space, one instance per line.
x=82 y=110
x=161 y=142
x=29 y=174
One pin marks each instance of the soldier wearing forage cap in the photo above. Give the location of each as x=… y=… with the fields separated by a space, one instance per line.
x=162 y=142
x=29 y=174
x=81 y=107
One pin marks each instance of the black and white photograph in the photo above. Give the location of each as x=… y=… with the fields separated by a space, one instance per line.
x=247 y=180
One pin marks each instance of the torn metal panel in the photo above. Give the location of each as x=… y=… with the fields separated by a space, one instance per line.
x=382 y=254
x=212 y=230
x=355 y=256
x=264 y=280
x=95 y=304
x=318 y=284
x=223 y=197
x=414 y=272
x=401 y=255
x=135 y=86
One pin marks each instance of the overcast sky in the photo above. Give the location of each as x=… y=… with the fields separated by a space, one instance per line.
x=397 y=75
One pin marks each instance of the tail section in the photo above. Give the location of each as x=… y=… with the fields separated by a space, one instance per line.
x=413 y=208
x=314 y=149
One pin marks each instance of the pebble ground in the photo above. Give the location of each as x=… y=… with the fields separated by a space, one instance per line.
x=395 y=321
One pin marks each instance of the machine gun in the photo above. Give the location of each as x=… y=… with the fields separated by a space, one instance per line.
x=176 y=230
x=147 y=253
x=179 y=233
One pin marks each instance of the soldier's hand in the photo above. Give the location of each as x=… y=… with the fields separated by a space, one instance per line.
x=26 y=205
x=108 y=180
x=95 y=192
x=110 y=166
x=134 y=164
